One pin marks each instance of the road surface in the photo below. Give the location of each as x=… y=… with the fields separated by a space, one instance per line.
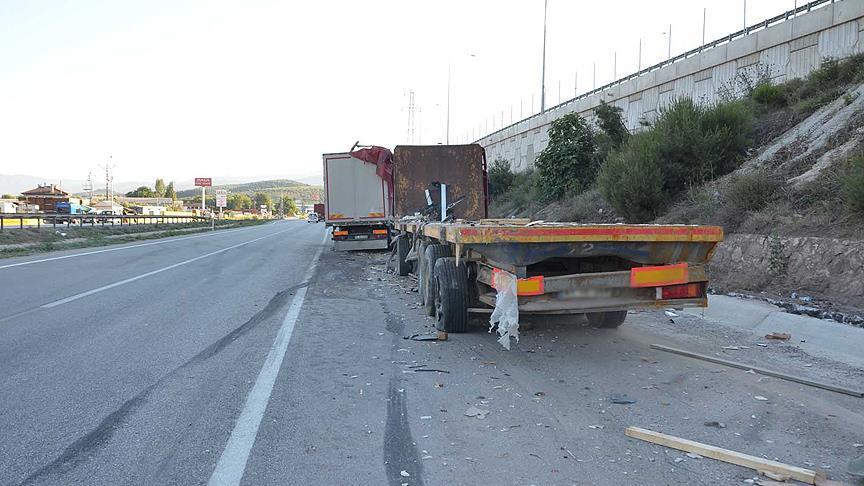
x=259 y=356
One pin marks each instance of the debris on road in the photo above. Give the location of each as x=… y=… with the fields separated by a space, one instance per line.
x=476 y=412
x=621 y=399
x=404 y=474
x=714 y=423
x=774 y=476
x=761 y=371
x=693 y=455
x=669 y=313
x=782 y=336
x=760 y=398
x=800 y=474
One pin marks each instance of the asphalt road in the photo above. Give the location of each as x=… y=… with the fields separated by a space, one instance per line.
x=235 y=358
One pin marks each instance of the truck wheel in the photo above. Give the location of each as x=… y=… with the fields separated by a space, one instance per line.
x=427 y=274
x=403 y=245
x=451 y=296
x=606 y=320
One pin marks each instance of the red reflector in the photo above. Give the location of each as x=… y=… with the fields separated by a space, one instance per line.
x=686 y=291
x=379 y=232
x=340 y=233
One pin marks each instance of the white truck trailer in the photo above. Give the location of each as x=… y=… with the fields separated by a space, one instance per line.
x=357 y=205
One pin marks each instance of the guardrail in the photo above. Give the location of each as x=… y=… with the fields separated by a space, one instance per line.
x=93 y=220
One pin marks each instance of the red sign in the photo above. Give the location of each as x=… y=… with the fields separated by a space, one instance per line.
x=203 y=182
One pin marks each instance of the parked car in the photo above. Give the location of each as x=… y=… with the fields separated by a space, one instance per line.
x=312 y=218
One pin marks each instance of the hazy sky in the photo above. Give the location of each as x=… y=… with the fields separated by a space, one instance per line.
x=180 y=88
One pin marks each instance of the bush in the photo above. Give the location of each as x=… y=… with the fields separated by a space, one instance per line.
x=769 y=95
x=613 y=131
x=500 y=177
x=632 y=179
x=753 y=191
x=853 y=186
x=569 y=163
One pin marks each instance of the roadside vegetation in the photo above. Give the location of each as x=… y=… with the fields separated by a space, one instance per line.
x=683 y=166
x=19 y=242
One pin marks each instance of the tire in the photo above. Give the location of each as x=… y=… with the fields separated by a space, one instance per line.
x=403 y=245
x=452 y=295
x=606 y=320
x=432 y=254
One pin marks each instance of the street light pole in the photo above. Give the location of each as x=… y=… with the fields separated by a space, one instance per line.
x=543 y=74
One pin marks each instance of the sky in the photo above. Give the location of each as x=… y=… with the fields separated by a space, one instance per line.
x=261 y=88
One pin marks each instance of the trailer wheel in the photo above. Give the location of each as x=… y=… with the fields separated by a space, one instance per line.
x=427 y=274
x=403 y=246
x=606 y=320
x=452 y=295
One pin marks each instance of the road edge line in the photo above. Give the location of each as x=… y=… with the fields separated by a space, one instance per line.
x=232 y=463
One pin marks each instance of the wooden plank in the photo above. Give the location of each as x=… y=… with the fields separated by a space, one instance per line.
x=798 y=473
x=761 y=371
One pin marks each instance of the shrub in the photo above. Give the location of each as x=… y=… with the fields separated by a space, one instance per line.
x=753 y=191
x=853 y=186
x=569 y=163
x=769 y=95
x=500 y=177
x=632 y=179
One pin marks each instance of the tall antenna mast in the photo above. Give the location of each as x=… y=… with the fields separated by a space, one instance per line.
x=88 y=185
x=411 y=116
x=109 y=179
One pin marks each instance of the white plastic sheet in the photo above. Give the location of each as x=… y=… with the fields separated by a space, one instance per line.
x=506 y=312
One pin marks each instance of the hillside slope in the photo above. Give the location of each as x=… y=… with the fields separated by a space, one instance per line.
x=274 y=187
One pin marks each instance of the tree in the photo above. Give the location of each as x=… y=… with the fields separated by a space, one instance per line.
x=289 y=207
x=263 y=199
x=142 y=191
x=8 y=196
x=159 y=188
x=568 y=164
x=170 y=192
x=239 y=202
x=613 y=131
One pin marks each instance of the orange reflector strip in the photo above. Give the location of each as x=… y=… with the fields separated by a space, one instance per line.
x=340 y=233
x=375 y=215
x=530 y=286
x=658 y=276
x=379 y=232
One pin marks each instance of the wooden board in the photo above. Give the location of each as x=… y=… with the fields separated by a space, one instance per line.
x=798 y=473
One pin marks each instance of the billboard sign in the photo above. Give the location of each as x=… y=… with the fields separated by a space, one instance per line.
x=203 y=182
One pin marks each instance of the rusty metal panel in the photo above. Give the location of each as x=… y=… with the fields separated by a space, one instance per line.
x=461 y=167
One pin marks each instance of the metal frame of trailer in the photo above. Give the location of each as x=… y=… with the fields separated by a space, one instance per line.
x=601 y=270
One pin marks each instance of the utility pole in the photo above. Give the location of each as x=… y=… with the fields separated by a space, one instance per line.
x=704 y=15
x=576 y=84
x=615 y=66
x=639 y=63
x=543 y=81
x=447 y=137
x=745 y=17
x=669 y=49
x=594 y=80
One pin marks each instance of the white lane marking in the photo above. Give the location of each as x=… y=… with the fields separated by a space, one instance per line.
x=63 y=257
x=154 y=272
x=232 y=462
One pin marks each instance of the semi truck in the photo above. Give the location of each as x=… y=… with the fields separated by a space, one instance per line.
x=357 y=204
x=467 y=263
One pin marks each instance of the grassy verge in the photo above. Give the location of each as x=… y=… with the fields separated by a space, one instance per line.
x=20 y=242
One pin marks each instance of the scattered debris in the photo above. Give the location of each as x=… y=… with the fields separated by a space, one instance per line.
x=540 y=394
x=476 y=412
x=782 y=336
x=714 y=423
x=760 y=398
x=732 y=347
x=621 y=399
x=596 y=426
x=800 y=474
x=426 y=417
x=761 y=371
x=648 y=360
x=438 y=385
x=679 y=459
x=442 y=336
x=693 y=455
x=429 y=369
x=669 y=313
x=762 y=345
x=404 y=474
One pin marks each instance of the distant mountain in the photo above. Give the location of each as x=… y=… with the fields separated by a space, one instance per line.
x=274 y=187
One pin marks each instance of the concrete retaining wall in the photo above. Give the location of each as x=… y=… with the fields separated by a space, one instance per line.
x=790 y=49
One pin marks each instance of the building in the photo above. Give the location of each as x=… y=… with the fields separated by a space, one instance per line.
x=145 y=201
x=46 y=196
x=8 y=206
x=150 y=210
x=108 y=207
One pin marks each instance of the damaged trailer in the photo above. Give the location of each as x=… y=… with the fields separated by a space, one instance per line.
x=508 y=267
